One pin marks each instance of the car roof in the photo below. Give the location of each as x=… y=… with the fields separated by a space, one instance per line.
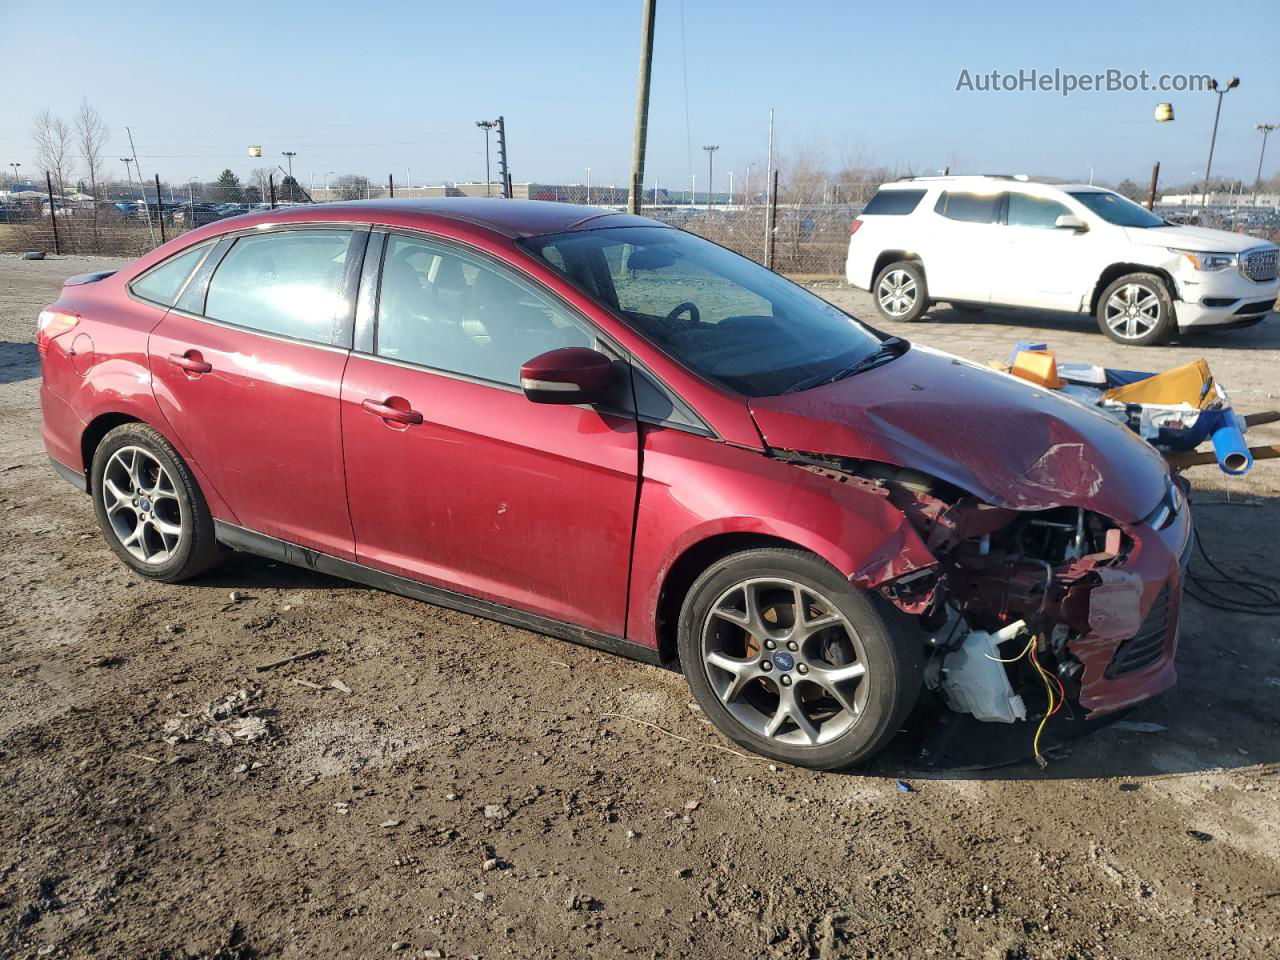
x=510 y=218
x=989 y=181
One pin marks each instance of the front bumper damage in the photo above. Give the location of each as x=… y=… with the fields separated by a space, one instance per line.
x=1101 y=598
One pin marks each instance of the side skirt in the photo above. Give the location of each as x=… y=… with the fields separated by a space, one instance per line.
x=73 y=477
x=250 y=541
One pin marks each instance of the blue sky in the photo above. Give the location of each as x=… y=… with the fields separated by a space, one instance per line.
x=383 y=87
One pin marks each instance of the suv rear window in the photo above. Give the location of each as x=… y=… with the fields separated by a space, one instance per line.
x=893 y=203
x=969 y=207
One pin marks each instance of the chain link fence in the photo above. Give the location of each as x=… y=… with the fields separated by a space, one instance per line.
x=810 y=235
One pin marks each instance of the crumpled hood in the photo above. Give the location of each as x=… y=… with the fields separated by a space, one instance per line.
x=1203 y=239
x=1006 y=441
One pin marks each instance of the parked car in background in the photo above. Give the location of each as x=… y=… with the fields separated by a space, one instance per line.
x=609 y=430
x=979 y=241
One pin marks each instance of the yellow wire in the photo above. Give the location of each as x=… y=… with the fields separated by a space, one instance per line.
x=1048 y=712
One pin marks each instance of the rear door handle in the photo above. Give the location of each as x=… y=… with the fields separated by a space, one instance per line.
x=388 y=412
x=191 y=362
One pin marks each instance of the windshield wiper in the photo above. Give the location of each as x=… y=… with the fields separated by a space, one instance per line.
x=889 y=349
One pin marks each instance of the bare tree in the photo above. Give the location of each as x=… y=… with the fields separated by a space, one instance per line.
x=351 y=186
x=91 y=134
x=259 y=177
x=52 y=138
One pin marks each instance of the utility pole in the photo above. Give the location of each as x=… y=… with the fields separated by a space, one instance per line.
x=640 y=137
x=502 y=158
x=711 y=180
x=145 y=206
x=1213 y=87
x=486 y=126
x=16 y=165
x=1155 y=178
x=1265 y=129
x=731 y=188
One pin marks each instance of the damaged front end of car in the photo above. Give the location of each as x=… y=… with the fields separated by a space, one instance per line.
x=1045 y=617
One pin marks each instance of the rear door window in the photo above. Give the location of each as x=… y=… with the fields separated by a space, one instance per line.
x=164 y=283
x=287 y=283
x=968 y=207
x=893 y=203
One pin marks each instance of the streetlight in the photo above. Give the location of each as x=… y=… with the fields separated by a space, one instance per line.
x=1090 y=166
x=191 y=198
x=16 y=165
x=711 y=181
x=588 y=186
x=1263 y=128
x=1221 y=92
x=486 y=126
x=289 y=155
x=128 y=170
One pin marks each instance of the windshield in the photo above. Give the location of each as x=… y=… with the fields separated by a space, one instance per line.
x=721 y=315
x=1114 y=208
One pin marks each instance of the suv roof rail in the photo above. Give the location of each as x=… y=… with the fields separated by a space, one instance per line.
x=1018 y=177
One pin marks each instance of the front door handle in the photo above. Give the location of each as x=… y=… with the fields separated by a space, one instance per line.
x=191 y=362
x=387 y=412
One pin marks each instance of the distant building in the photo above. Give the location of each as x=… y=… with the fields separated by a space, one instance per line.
x=1222 y=199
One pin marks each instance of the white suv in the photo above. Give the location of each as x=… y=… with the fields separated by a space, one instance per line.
x=1010 y=241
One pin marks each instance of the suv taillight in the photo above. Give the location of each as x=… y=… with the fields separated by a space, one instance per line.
x=853 y=227
x=51 y=324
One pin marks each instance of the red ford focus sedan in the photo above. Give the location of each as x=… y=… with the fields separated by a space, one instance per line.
x=598 y=427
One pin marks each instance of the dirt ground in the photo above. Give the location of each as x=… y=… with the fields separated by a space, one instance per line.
x=470 y=789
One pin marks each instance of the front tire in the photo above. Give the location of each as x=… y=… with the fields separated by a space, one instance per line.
x=149 y=507
x=792 y=662
x=1137 y=309
x=901 y=292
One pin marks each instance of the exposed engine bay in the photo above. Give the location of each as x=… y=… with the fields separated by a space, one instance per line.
x=1013 y=601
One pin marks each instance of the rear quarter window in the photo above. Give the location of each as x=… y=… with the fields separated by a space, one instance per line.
x=893 y=203
x=162 y=284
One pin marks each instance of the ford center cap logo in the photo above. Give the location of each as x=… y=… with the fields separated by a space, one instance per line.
x=784 y=661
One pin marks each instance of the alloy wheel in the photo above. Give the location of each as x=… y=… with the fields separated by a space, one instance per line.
x=1132 y=311
x=785 y=662
x=142 y=505
x=897 y=293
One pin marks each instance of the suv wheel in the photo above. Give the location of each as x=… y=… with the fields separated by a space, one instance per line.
x=900 y=291
x=149 y=507
x=792 y=662
x=1137 y=309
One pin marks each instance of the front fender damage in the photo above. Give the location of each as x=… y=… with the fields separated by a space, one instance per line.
x=964 y=566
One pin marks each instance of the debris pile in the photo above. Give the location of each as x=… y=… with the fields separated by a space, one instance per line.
x=233 y=719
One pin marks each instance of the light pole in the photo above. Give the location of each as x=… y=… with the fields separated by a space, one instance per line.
x=711 y=180
x=1263 y=128
x=128 y=170
x=16 y=165
x=191 y=199
x=693 y=189
x=588 y=186
x=1090 y=166
x=1208 y=165
x=486 y=126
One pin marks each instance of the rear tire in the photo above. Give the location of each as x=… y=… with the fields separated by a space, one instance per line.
x=826 y=692
x=149 y=507
x=900 y=291
x=1137 y=309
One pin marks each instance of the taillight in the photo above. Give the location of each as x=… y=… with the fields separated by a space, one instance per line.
x=853 y=227
x=51 y=324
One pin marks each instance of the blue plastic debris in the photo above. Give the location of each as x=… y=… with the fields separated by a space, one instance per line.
x=905 y=787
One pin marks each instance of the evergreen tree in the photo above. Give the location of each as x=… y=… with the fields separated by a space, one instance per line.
x=226 y=189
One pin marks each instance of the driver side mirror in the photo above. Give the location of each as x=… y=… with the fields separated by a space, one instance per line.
x=1070 y=221
x=567 y=375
